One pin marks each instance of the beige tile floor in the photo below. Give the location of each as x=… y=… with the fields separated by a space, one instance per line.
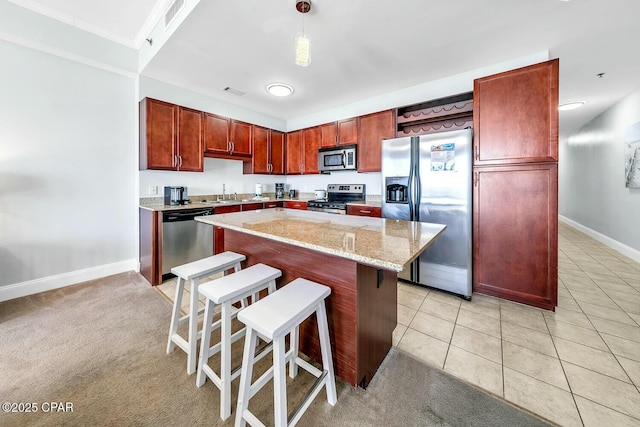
x=579 y=366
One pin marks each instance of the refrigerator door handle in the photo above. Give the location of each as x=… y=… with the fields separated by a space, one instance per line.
x=410 y=184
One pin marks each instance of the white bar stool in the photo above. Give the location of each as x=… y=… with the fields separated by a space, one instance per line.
x=271 y=319
x=194 y=271
x=227 y=291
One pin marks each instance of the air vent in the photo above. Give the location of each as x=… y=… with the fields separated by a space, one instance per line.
x=175 y=7
x=233 y=91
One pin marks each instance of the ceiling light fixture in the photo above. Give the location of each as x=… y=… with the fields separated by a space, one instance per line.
x=303 y=43
x=279 y=89
x=571 y=105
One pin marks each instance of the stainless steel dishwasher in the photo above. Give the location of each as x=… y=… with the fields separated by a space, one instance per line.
x=184 y=239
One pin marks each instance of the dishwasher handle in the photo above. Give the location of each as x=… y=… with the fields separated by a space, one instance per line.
x=184 y=216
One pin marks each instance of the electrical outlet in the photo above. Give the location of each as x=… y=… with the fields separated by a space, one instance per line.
x=153 y=190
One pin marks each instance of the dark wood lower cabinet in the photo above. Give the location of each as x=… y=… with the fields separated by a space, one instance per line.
x=150 y=244
x=515 y=249
x=361 y=310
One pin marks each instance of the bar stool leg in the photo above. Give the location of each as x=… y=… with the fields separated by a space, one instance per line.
x=206 y=341
x=325 y=346
x=279 y=382
x=193 y=327
x=244 y=392
x=225 y=367
x=294 y=338
x=175 y=315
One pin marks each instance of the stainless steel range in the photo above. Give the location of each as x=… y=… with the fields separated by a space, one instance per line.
x=338 y=195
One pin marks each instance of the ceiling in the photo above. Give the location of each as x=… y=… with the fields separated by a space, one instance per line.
x=365 y=48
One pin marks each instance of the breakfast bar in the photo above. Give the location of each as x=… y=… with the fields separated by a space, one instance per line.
x=357 y=257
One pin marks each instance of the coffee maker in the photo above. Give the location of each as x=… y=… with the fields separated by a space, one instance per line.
x=279 y=190
x=175 y=196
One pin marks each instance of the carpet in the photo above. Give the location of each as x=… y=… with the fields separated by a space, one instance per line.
x=98 y=348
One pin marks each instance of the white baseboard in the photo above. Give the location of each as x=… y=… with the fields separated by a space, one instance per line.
x=30 y=287
x=606 y=240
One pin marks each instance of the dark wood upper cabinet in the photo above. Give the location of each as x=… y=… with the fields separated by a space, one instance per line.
x=190 y=140
x=294 y=153
x=277 y=151
x=226 y=138
x=347 y=131
x=311 y=142
x=515 y=226
x=170 y=137
x=241 y=133
x=216 y=134
x=515 y=116
x=373 y=129
x=329 y=134
x=342 y=132
x=268 y=152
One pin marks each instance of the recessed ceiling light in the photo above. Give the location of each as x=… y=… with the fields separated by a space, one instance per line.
x=279 y=89
x=571 y=105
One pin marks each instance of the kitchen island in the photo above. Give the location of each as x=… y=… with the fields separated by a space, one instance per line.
x=357 y=257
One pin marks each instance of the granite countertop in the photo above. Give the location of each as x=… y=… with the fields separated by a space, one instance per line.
x=383 y=243
x=160 y=206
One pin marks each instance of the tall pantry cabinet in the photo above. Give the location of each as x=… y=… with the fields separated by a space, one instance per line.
x=515 y=185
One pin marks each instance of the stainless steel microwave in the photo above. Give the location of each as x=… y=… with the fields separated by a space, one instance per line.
x=341 y=158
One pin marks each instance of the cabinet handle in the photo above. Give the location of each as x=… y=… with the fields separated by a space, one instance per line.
x=180 y=159
x=368 y=212
x=475 y=179
x=475 y=150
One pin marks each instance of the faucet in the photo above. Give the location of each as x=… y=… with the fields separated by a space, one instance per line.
x=235 y=196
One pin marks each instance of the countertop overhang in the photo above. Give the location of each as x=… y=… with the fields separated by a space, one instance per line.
x=383 y=243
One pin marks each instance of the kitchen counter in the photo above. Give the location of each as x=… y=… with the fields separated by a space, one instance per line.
x=357 y=257
x=161 y=207
x=382 y=243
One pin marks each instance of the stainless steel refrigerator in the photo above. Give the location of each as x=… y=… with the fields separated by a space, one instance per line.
x=428 y=178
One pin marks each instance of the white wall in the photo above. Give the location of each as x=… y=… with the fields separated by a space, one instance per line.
x=67 y=171
x=592 y=192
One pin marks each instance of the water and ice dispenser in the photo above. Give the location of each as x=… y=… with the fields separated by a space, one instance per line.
x=397 y=189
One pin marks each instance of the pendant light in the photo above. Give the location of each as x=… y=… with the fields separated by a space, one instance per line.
x=303 y=43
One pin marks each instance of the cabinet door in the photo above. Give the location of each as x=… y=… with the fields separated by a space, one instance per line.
x=311 y=138
x=294 y=153
x=269 y=205
x=158 y=134
x=362 y=210
x=373 y=129
x=329 y=134
x=291 y=204
x=348 y=131
x=216 y=134
x=276 y=154
x=227 y=209
x=515 y=116
x=240 y=138
x=190 y=144
x=252 y=206
x=260 y=150
x=515 y=221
